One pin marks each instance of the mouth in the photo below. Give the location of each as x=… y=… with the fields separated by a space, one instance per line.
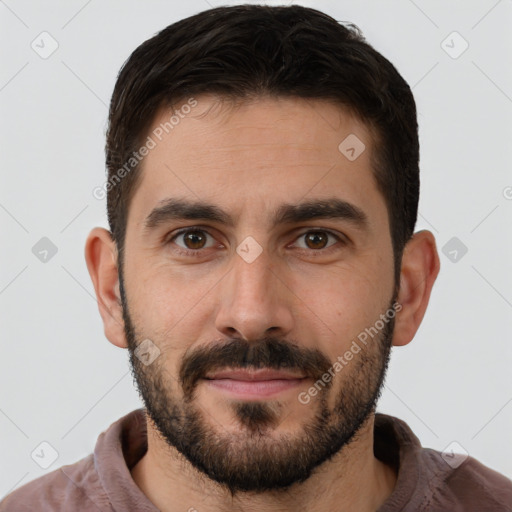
x=253 y=384
x=254 y=375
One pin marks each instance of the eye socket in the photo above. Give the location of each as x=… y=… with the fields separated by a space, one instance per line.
x=194 y=236
x=198 y=236
x=314 y=235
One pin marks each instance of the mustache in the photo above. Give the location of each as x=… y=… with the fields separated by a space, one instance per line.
x=268 y=352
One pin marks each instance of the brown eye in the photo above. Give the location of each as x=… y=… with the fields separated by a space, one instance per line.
x=194 y=239
x=318 y=240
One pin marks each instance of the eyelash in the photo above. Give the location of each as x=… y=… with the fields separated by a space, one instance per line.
x=197 y=252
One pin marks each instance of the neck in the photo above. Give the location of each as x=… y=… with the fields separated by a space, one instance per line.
x=352 y=480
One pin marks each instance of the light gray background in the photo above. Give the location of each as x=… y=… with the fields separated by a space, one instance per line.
x=62 y=382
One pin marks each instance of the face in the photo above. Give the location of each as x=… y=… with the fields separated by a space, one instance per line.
x=258 y=276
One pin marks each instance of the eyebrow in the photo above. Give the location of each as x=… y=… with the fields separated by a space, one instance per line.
x=333 y=208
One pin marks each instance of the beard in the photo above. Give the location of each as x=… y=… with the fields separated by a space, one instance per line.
x=257 y=458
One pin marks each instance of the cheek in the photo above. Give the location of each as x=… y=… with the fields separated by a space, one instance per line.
x=341 y=303
x=157 y=289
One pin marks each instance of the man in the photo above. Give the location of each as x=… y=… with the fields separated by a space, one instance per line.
x=262 y=195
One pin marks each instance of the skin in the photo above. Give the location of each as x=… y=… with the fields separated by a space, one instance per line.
x=248 y=161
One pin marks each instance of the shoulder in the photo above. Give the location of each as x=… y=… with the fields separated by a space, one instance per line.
x=428 y=479
x=72 y=487
x=468 y=486
x=478 y=486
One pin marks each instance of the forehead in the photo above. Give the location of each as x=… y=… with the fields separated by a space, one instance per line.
x=257 y=154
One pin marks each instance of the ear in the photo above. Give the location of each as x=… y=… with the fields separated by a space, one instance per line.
x=420 y=267
x=101 y=258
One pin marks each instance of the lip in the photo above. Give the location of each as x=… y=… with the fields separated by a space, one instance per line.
x=254 y=375
x=255 y=384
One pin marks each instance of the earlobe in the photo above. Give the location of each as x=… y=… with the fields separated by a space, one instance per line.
x=420 y=268
x=101 y=259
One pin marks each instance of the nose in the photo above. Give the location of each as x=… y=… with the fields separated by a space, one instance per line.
x=254 y=301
